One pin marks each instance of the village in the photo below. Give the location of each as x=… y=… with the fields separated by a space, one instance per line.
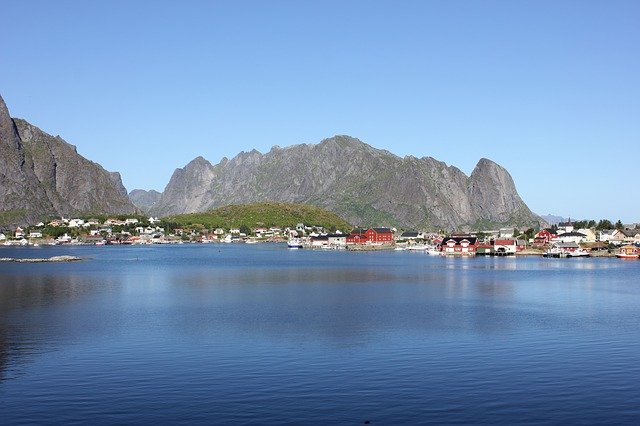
x=562 y=240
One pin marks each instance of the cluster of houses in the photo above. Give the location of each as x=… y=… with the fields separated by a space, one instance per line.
x=566 y=233
x=501 y=242
x=91 y=231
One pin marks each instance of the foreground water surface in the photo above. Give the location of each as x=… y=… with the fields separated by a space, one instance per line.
x=260 y=334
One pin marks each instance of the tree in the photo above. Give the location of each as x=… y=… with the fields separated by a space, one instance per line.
x=604 y=224
x=619 y=225
x=244 y=229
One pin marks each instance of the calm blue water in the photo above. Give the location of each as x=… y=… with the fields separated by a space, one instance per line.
x=259 y=334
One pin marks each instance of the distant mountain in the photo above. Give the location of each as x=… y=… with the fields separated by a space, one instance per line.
x=364 y=185
x=144 y=200
x=43 y=176
x=552 y=219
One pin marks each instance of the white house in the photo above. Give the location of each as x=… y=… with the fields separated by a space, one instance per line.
x=565 y=227
x=76 y=223
x=606 y=235
x=337 y=239
x=35 y=234
x=3 y=237
x=570 y=237
x=131 y=221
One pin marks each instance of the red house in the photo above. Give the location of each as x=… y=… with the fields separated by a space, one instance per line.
x=357 y=236
x=371 y=236
x=379 y=235
x=543 y=237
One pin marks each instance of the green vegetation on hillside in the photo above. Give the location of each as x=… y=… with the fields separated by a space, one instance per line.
x=261 y=215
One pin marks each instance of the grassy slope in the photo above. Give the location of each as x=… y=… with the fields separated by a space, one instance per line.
x=262 y=215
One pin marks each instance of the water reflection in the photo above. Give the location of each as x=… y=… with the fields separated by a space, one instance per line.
x=158 y=298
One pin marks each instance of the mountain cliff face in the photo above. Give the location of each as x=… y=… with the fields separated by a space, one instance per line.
x=144 y=200
x=43 y=176
x=364 y=185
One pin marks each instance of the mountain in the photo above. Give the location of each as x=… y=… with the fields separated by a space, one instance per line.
x=553 y=219
x=364 y=185
x=43 y=176
x=144 y=200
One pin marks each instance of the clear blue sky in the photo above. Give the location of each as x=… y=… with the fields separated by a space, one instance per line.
x=548 y=89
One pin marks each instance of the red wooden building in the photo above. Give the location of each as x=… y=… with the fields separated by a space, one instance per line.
x=371 y=236
x=543 y=237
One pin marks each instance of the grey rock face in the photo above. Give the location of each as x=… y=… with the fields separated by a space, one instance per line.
x=364 y=185
x=144 y=200
x=43 y=176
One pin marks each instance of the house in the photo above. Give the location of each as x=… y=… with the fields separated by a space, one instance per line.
x=564 y=227
x=35 y=234
x=379 y=236
x=543 y=237
x=565 y=246
x=605 y=235
x=58 y=223
x=3 y=237
x=411 y=236
x=460 y=244
x=630 y=235
x=319 y=241
x=589 y=235
x=337 y=239
x=76 y=223
x=219 y=231
x=357 y=236
x=505 y=246
x=573 y=236
x=131 y=221
x=19 y=233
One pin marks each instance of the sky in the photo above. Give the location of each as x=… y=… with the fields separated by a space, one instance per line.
x=550 y=90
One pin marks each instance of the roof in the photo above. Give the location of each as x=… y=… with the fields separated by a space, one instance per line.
x=572 y=234
x=567 y=245
x=382 y=230
x=459 y=239
x=409 y=234
x=507 y=242
x=630 y=232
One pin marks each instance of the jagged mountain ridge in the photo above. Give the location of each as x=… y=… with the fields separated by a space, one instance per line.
x=364 y=185
x=144 y=200
x=43 y=176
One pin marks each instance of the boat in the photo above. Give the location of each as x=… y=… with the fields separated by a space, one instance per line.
x=433 y=251
x=563 y=252
x=628 y=252
x=294 y=243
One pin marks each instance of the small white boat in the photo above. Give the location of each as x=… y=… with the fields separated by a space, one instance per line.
x=294 y=243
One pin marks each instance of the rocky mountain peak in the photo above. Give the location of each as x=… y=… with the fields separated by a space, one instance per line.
x=43 y=176
x=363 y=184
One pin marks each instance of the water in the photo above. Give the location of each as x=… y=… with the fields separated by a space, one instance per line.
x=259 y=334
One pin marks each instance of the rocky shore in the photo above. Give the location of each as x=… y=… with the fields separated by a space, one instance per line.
x=41 y=260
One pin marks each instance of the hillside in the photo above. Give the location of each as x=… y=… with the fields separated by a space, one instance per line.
x=262 y=215
x=43 y=176
x=365 y=185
